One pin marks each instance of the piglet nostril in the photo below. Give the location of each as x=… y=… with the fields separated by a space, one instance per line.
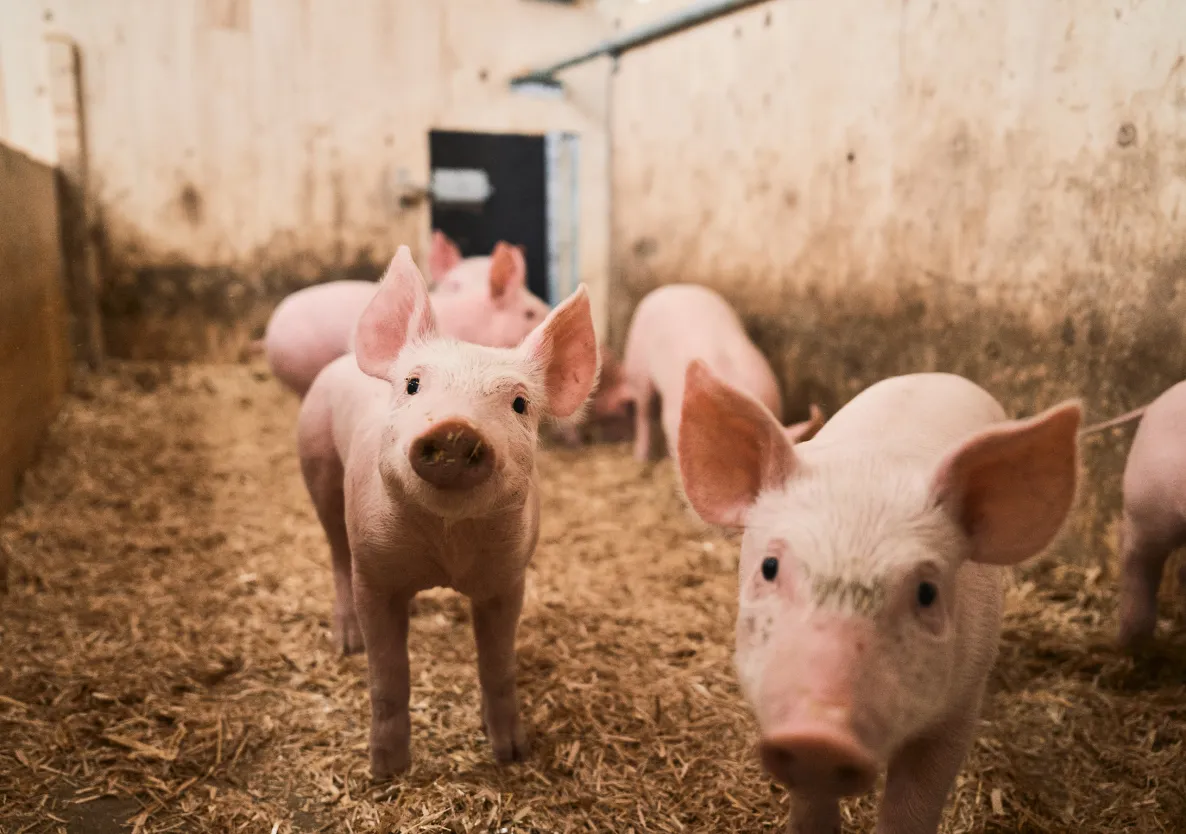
x=476 y=455
x=847 y=775
x=819 y=760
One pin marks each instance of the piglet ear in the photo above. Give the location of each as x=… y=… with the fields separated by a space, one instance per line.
x=564 y=349
x=1010 y=486
x=731 y=448
x=508 y=271
x=399 y=313
x=443 y=256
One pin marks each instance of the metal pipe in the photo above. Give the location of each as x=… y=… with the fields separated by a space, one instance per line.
x=694 y=15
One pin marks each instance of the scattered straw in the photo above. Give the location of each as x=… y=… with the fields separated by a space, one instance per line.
x=167 y=662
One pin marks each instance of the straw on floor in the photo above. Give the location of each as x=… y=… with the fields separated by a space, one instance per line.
x=165 y=661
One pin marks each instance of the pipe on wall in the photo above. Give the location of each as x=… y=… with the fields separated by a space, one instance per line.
x=694 y=15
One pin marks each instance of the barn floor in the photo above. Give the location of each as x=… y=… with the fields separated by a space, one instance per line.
x=165 y=660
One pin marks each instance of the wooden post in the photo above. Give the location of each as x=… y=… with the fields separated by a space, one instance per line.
x=75 y=203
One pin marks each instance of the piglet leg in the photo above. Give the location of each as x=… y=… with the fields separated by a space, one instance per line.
x=323 y=476
x=920 y=777
x=347 y=631
x=384 y=620
x=644 y=420
x=1142 y=563
x=814 y=816
x=495 y=621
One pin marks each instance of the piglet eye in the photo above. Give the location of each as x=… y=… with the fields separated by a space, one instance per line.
x=520 y=405
x=927 y=594
x=769 y=568
x=413 y=385
x=530 y=314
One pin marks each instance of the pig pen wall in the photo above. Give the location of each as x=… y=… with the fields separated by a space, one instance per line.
x=991 y=188
x=241 y=149
x=34 y=349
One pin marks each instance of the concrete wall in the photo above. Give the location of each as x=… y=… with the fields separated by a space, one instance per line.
x=26 y=112
x=991 y=187
x=239 y=149
x=34 y=352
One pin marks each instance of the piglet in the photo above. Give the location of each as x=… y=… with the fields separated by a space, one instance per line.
x=871 y=575
x=488 y=304
x=419 y=455
x=1153 y=523
x=672 y=326
x=486 y=301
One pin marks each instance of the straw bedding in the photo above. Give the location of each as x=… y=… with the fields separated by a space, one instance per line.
x=166 y=665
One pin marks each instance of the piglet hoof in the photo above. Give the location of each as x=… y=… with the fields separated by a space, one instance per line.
x=347 y=633
x=509 y=740
x=513 y=749
x=1136 y=631
x=1138 y=615
x=389 y=761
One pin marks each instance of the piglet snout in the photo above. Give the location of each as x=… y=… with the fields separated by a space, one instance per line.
x=818 y=761
x=452 y=455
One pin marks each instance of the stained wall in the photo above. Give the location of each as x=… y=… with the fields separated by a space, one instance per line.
x=240 y=149
x=995 y=188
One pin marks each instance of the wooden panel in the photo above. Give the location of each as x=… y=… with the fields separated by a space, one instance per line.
x=34 y=352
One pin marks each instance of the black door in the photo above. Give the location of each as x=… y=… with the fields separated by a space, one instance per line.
x=516 y=210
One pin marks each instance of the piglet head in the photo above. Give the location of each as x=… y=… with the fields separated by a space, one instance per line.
x=850 y=581
x=462 y=428
x=486 y=300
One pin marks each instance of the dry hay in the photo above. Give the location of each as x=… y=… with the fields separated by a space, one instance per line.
x=166 y=661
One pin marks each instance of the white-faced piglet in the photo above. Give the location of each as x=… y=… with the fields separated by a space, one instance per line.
x=483 y=300
x=871 y=575
x=419 y=455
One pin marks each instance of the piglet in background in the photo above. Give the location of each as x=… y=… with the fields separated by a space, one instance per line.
x=672 y=326
x=419 y=454
x=871 y=575
x=608 y=415
x=483 y=300
x=1153 y=524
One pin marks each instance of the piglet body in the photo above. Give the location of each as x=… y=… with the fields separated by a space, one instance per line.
x=1153 y=523
x=672 y=326
x=419 y=455
x=483 y=300
x=871 y=579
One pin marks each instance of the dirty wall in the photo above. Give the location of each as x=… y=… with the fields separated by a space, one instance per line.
x=34 y=350
x=240 y=149
x=995 y=188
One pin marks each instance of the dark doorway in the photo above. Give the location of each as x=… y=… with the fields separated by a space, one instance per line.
x=511 y=207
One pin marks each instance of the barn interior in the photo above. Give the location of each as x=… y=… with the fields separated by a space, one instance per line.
x=991 y=189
